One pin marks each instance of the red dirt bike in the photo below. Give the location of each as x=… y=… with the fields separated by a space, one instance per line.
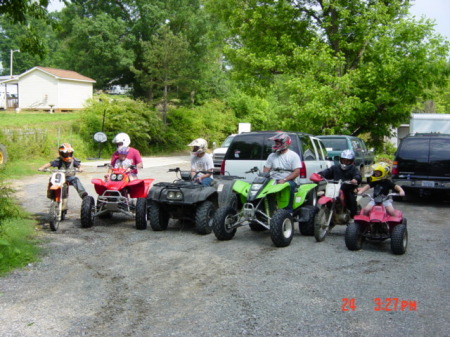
x=332 y=206
x=115 y=195
x=378 y=226
x=58 y=193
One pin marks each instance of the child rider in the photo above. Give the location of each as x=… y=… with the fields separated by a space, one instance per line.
x=66 y=161
x=381 y=184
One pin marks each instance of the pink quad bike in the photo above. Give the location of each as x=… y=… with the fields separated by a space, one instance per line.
x=115 y=195
x=378 y=226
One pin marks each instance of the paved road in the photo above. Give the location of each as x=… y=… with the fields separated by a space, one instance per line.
x=112 y=280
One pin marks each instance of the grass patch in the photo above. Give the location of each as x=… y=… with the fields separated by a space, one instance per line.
x=21 y=168
x=18 y=244
x=36 y=119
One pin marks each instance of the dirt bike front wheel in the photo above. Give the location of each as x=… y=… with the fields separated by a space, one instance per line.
x=322 y=223
x=55 y=215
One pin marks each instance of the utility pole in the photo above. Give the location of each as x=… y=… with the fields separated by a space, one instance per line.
x=11 y=60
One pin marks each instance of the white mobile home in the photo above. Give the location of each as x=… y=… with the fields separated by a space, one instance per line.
x=53 y=89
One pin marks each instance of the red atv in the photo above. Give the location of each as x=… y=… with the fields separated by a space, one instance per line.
x=378 y=226
x=115 y=195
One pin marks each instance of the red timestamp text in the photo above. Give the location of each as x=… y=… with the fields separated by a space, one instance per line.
x=382 y=304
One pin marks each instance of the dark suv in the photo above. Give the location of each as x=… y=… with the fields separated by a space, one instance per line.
x=250 y=149
x=422 y=164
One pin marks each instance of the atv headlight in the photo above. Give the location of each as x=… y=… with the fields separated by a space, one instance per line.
x=113 y=176
x=254 y=189
x=119 y=177
x=174 y=195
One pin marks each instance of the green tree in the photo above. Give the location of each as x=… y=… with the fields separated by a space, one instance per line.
x=336 y=66
x=164 y=64
x=97 y=47
x=22 y=12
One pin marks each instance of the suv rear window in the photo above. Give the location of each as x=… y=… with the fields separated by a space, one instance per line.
x=414 y=149
x=307 y=148
x=336 y=144
x=248 y=146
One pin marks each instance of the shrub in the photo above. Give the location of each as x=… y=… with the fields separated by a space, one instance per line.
x=213 y=121
x=135 y=118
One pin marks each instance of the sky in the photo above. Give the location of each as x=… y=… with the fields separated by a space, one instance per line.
x=438 y=10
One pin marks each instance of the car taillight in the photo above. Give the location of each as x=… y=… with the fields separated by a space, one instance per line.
x=222 y=167
x=394 y=170
x=303 y=170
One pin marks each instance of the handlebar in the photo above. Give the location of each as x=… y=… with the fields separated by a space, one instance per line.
x=52 y=170
x=382 y=196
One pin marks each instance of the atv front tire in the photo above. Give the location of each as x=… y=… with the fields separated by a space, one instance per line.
x=159 y=218
x=204 y=217
x=399 y=239
x=87 y=212
x=141 y=213
x=353 y=237
x=282 y=228
x=222 y=221
x=3 y=155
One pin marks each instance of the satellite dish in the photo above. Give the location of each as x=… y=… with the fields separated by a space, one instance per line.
x=100 y=137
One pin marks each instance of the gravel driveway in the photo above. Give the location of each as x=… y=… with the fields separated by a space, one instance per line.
x=113 y=280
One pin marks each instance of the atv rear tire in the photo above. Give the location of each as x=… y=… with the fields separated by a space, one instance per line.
x=353 y=237
x=282 y=228
x=3 y=155
x=307 y=227
x=87 y=212
x=159 y=218
x=399 y=239
x=204 y=217
x=141 y=213
x=321 y=226
x=222 y=220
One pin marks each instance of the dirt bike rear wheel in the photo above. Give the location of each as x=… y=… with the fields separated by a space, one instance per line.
x=282 y=228
x=321 y=224
x=55 y=214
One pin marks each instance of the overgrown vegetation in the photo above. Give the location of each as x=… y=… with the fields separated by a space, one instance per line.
x=17 y=246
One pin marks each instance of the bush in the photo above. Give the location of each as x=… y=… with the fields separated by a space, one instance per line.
x=135 y=118
x=213 y=121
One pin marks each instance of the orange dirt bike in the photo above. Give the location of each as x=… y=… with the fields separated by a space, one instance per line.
x=58 y=193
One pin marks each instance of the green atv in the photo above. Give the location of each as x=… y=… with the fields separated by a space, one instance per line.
x=262 y=204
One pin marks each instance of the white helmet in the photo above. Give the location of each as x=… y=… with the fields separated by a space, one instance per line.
x=349 y=159
x=199 y=146
x=122 y=138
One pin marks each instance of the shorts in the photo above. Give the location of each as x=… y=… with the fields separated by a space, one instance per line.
x=386 y=203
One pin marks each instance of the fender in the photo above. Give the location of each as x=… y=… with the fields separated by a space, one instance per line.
x=273 y=187
x=139 y=188
x=324 y=200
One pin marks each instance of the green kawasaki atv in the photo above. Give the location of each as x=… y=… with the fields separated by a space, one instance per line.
x=262 y=204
